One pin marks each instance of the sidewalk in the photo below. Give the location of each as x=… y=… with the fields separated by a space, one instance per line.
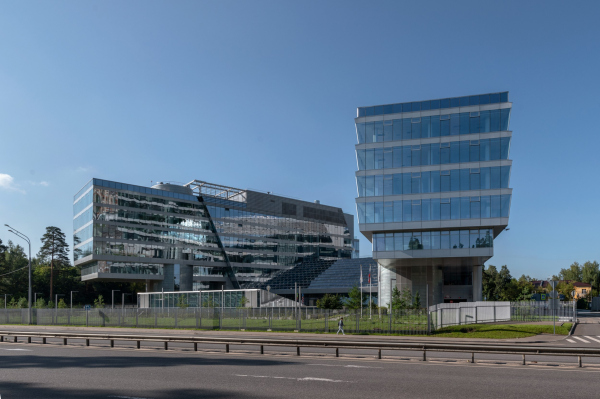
x=537 y=339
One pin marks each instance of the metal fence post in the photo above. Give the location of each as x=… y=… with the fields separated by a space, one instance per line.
x=87 y=317
x=494 y=312
x=136 y=318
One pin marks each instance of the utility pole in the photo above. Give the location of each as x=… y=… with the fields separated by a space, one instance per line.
x=24 y=237
x=112 y=304
x=72 y=298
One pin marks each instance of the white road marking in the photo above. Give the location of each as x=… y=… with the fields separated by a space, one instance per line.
x=581 y=339
x=291 y=378
x=15 y=349
x=571 y=341
x=349 y=366
x=593 y=339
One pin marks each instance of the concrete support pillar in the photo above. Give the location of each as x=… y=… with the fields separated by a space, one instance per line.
x=187 y=278
x=477 y=283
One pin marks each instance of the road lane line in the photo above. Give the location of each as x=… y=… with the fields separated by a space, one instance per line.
x=571 y=341
x=16 y=349
x=291 y=378
x=593 y=339
x=581 y=339
x=342 y=365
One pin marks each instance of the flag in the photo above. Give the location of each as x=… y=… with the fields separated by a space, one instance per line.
x=369 y=274
x=361 y=279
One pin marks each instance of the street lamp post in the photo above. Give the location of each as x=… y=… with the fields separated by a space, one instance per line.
x=112 y=304
x=72 y=298
x=5 y=295
x=23 y=236
x=56 y=300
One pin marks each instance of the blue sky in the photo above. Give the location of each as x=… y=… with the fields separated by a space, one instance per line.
x=262 y=94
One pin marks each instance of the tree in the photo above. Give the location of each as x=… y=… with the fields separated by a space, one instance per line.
x=330 y=301
x=181 y=302
x=62 y=304
x=40 y=303
x=99 y=302
x=565 y=289
x=354 y=301
x=574 y=273
x=401 y=299
x=417 y=301
x=590 y=273
x=54 y=249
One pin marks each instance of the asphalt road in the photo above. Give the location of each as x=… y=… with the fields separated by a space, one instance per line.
x=53 y=371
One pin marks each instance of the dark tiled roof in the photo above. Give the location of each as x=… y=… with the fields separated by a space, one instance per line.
x=345 y=273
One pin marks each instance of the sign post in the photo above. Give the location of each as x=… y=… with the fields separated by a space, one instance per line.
x=553 y=297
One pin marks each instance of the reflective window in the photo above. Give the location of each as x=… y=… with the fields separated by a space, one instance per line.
x=434 y=126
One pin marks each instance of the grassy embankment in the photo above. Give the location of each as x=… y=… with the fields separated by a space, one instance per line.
x=501 y=331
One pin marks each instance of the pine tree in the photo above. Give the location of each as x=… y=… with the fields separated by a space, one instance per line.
x=54 y=249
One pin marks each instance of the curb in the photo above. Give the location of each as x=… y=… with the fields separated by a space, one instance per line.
x=573 y=328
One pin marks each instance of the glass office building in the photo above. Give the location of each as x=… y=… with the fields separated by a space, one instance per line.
x=200 y=236
x=433 y=191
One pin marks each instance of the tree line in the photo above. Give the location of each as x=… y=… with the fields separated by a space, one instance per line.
x=52 y=274
x=499 y=285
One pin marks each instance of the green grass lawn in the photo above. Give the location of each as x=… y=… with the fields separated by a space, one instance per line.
x=500 y=331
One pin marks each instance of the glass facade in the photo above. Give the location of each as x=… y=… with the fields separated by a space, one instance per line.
x=444 y=239
x=125 y=229
x=455 y=102
x=433 y=126
x=452 y=152
x=434 y=182
x=422 y=210
x=408 y=155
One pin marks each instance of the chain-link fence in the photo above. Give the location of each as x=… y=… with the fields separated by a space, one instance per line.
x=402 y=321
x=410 y=321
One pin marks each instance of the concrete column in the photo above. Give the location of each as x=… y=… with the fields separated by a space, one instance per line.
x=384 y=285
x=187 y=278
x=477 y=283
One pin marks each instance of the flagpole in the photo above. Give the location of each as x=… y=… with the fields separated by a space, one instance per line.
x=361 y=281
x=370 y=295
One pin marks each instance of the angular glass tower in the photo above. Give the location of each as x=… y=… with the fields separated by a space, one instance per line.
x=200 y=235
x=433 y=191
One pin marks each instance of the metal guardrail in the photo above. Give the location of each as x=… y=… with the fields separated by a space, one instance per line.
x=421 y=346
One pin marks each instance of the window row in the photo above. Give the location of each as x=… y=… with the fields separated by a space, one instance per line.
x=143 y=190
x=82 y=219
x=453 y=239
x=121 y=267
x=286 y=223
x=433 y=154
x=110 y=197
x=156 y=251
x=487 y=206
x=434 y=182
x=83 y=202
x=483 y=99
x=433 y=126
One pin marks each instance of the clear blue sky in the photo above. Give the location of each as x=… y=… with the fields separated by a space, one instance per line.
x=262 y=94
